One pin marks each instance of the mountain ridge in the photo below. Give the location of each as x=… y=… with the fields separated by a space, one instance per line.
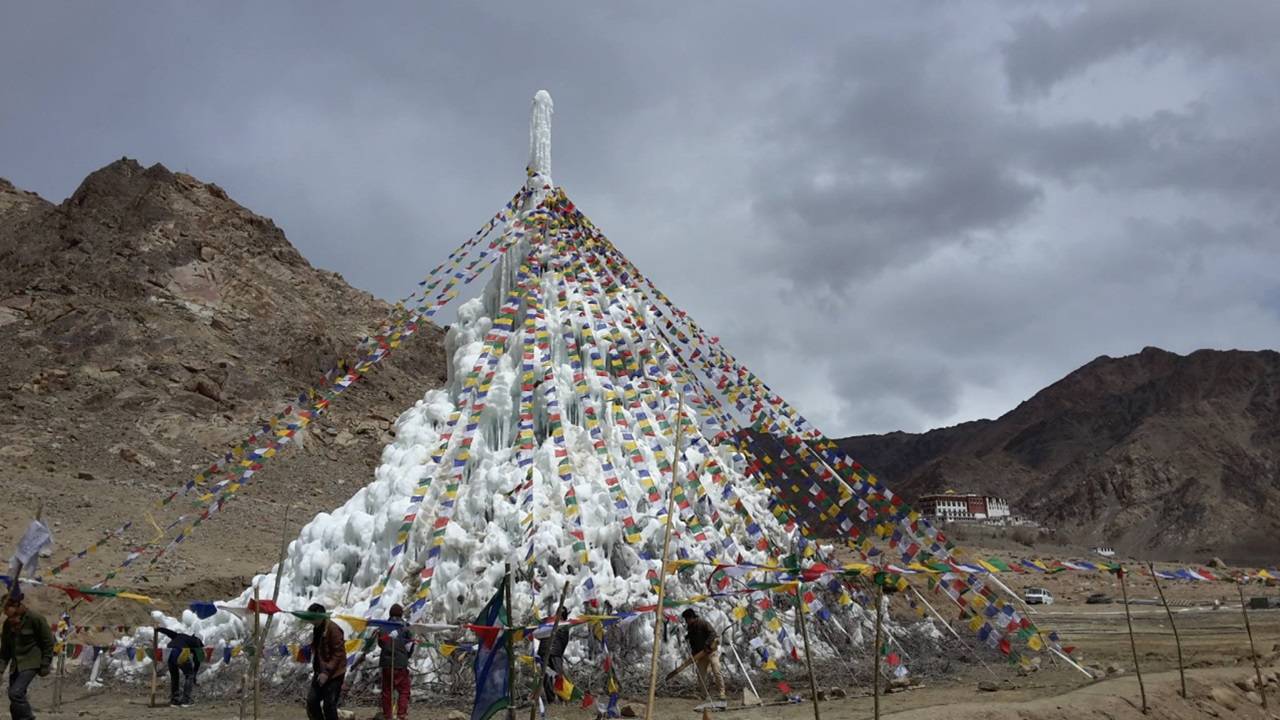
x=1155 y=452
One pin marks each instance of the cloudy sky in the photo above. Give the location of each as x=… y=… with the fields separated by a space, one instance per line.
x=901 y=215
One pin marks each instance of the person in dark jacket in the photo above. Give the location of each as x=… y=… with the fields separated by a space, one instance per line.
x=397 y=647
x=184 y=656
x=704 y=645
x=27 y=643
x=328 y=665
x=551 y=654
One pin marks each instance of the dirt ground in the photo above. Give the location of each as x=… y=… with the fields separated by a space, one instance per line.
x=1215 y=649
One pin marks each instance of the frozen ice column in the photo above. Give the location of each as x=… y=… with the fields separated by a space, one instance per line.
x=540 y=142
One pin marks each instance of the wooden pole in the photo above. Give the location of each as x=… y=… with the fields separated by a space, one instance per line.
x=1177 y=641
x=1133 y=645
x=57 y=679
x=155 y=669
x=260 y=640
x=555 y=625
x=256 y=660
x=659 y=617
x=511 y=654
x=1253 y=654
x=875 y=654
x=808 y=656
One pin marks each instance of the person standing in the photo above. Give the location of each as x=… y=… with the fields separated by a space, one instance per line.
x=184 y=655
x=27 y=643
x=397 y=647
x=704 y=645
x=551 y=654
x=328 y=665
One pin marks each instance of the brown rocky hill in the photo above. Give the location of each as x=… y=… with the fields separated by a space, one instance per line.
x=148 y=321
x=1155 y=453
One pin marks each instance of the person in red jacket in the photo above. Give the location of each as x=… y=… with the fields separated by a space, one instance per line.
x=328 y=665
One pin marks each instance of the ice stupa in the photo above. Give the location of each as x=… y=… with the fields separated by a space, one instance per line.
x=551 y=450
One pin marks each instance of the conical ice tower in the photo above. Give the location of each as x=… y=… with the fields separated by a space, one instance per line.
x=551 y=455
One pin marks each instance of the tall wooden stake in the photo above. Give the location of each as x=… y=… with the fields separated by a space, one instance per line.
x=660 y=617
x=1133 y=645
x=260 y=640
x=511 y=652
x=875 y=654
x=1177 y=641
x=808 y=657
x=555 y=625
x=1253 y=654
x=155 y=663
x=256 y=660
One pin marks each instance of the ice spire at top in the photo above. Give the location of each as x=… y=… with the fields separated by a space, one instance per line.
x=540 y=141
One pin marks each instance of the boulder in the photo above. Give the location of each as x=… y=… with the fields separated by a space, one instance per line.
x=456 y=715
x=988 y=686
x=632 y=709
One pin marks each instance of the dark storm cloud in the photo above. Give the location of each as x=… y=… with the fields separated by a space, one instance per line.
x=900 y=216
x=1044 y=51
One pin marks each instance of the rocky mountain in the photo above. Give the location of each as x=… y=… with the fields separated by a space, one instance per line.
x=148 y=320
x=1156 y=453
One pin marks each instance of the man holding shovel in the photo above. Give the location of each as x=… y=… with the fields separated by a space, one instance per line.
x=704 y=645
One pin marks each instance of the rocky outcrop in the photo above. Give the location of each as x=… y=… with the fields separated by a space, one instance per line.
x=148 y=321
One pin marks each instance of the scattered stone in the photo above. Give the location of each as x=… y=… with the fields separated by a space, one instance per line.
x=345 y=439
x=1216 y=563
x=455 y=715
x=1253 y=697
x=15 y=451
x=1207 y=709
x=84 y=475
x=202 y=385
x=130 y=455
x=823 y=695
x=1224 y=697
x=1113 y=669
x=632 y=710
x=988 y=686
x=207 y=253
x=838 y=692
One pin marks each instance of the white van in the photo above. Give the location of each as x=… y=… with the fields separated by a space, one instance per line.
x=1037 y=596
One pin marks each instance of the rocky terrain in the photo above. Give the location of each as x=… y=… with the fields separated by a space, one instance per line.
x=1155 y=453
x=147 y=321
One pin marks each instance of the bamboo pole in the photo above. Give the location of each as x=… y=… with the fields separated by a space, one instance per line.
x=1177 y=641
x=555 y=625
x=1133 y=645
x=155 y=662
x=259 y=640
x=1253 y=653
x=57 y=679
x=511 y=655
x=659 y=617
x=875 y=654
x=256 y=660
x=808 y=656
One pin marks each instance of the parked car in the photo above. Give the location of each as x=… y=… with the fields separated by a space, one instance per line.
x=1098 y=599
x=1037 y=596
